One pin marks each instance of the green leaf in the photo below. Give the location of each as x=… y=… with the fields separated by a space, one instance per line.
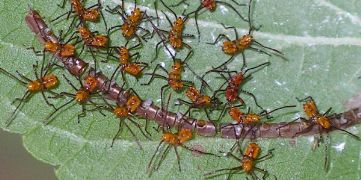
x=321 y=41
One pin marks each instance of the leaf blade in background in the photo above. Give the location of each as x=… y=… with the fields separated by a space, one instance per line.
x=322 y=43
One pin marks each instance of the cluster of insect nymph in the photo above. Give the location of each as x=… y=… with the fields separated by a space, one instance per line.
x=95 y=92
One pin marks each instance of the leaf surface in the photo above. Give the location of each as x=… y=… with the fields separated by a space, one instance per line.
x=321 y=41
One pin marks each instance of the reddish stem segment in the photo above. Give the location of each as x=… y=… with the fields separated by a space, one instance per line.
x=149 y=111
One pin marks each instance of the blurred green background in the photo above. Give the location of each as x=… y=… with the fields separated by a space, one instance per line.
x=17 y=163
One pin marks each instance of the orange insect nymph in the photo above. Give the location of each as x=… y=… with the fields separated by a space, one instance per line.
x=244 y=42
x=135 y=17
x=170 y=138
x=128 y=30
x=34 y=86
x=65 y=50
x=177 y=66
x=184 y=135
x=192 y=93
x=91 y=15
x=175 y=35
x=233 y=87
x=321 y=121
x=237 y=79
x=198 y=100
x=203 y=101
x=131 y=23
x=82 y=95
x=231 y=94
x=85 y=14
x=310 y=108
x=91 y=83
x=49 y=81
x=77 y=6
x=124 y=112
x=174 y=75
x=51 y=47
x=99 y=41
x=229 y=47
x=124 y=55
x=247 y=164
x=247 y=161
x=84 y=33
x=125 y=62
x=253 y=150
x=121 y=112
x=251 y=154
x=315 y=118
x=133 y=103
x=178 y=25
x=173 y=140
x=209 y=4
x=44 y=83
x=133 y=69
x=175 y=41
x=239 y=45
x=251 y=118
x=181 y=137
x=176 y=84
x=324 y=122
x=236 y=114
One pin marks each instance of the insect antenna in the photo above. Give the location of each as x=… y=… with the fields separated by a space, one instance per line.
x=349 y=133
x=174 y=14
x=178 y=158
x=214 y=173
x=25 y=97
x=252 y=28
x=14 y=77
x=48 y=119
x=150 y=168
x=161 y=36
x=233 y=8
x=163 y=156
x=100 y=7
x=179 y=3
x=267 y=113
x=133 y=134
x=140 y=129
x=255 y=67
